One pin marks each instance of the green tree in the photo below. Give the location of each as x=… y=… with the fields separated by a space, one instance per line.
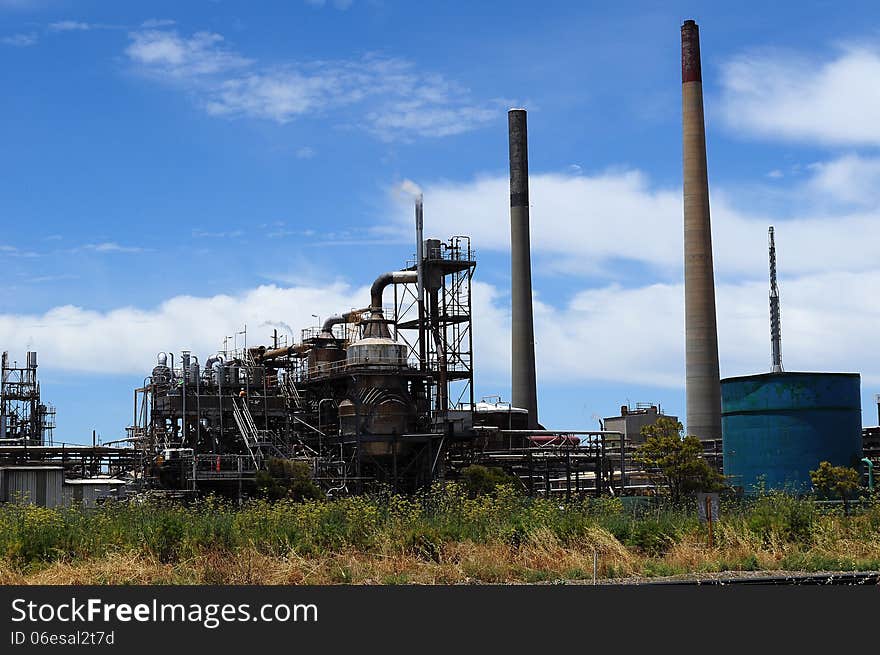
x=677 y=461
x=837 y=481
x=479 y=480
x=285 y=478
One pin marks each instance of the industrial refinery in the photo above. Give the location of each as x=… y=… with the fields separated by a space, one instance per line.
x=382 y=395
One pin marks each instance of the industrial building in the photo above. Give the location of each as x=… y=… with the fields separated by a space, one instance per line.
x=35 y=469
x=24 y=417
x=382 y=395
x=379 y=395
x=632 y=419
x=38 y=485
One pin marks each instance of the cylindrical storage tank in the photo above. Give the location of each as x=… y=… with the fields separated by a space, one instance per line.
x=777 y=427
x=376 y=351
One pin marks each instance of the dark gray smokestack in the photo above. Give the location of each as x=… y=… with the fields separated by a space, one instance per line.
x=703 y=384
x=524 y=384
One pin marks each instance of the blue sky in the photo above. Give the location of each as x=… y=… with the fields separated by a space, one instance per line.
x=173 y=171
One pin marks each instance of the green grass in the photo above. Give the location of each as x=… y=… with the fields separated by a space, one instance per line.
x=770 y=531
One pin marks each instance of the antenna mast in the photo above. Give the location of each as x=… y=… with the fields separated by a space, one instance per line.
x=775 y=321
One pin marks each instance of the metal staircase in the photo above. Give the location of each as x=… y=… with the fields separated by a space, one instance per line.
x=260 y=444
x=245 y=422
x=294 y=400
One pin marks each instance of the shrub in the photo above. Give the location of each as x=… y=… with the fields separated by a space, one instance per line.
x=284 y=478
x=479 y=480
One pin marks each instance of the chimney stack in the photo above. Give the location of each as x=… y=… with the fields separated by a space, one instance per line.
x=523 y=383
x=703 y=383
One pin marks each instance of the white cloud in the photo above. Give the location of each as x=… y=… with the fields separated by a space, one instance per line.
x=780 y=95
x=305 y=152
x=415 y=117
x=158 y=22
x=125 y=340
x=589 y=223
x=635 y=336
x=342 y=5
x=170 y=55
x=13 y=251
x=20 y=40
x=279 y=96
x=109 y=247
x=227 y=234
x=392 y=98
x=571 y=216
x=70 y=26
x=614 y=334
x=850 y=179
x=39 y=279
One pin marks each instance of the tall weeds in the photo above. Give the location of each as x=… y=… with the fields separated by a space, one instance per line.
x=441 y=535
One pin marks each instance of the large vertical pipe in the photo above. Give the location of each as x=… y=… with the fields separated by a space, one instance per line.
x=420 y=259
x=524 y=385
x=703 y=385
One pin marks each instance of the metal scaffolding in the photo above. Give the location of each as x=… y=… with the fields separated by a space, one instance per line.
x=24 y=418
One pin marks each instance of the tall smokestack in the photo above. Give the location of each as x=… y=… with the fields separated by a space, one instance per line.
x=701 y=332
x=524 y=385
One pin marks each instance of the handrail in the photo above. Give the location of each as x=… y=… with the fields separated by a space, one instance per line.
x=345 y=365
x=246 y=427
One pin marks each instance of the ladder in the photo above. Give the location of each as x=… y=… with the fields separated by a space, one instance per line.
x=245 y=422
x=261 y=444
x=291 y=392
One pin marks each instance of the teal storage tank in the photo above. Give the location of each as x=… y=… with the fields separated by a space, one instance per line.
x=777 y=427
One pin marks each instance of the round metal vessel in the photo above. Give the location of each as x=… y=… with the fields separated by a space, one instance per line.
x=777 y=427
x=376 y=351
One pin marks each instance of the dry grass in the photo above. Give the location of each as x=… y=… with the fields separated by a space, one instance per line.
x=542 y=559
x=444 y=538
x=461 y=563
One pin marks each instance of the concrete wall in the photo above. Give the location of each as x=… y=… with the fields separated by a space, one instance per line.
x=632 y=424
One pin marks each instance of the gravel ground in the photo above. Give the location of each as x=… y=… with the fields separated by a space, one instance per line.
x=725 y=575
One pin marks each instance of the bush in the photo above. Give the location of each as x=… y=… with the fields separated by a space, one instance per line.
x=479 y=480
x=284 y=478
x=778 y=517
